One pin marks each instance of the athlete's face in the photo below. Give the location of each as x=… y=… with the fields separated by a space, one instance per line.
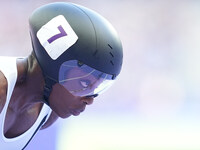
x=64 y=104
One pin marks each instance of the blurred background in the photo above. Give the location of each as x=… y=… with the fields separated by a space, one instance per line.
x=155 y=103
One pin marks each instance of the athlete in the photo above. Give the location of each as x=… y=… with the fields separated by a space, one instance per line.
x=76 y=56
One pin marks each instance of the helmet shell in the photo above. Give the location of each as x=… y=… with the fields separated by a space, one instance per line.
x=98 y=44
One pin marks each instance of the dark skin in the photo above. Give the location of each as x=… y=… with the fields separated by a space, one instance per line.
x=26 y=101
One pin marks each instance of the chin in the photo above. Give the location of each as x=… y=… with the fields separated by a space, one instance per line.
x=63 y=116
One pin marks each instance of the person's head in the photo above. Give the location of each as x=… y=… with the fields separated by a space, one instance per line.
x=79 y=51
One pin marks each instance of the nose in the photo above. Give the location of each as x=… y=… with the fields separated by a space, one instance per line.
x=87 y=100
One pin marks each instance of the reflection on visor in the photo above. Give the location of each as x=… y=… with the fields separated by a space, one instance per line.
x=82 y=80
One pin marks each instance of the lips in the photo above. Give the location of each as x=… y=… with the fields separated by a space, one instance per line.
x=76 y=112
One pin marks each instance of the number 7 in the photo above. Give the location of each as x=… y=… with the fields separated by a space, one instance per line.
x=57 y=36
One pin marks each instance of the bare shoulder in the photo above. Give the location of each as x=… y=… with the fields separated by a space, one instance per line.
x=3 y=90
x=53 y=117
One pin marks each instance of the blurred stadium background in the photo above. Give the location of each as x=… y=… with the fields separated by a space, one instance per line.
x=155 y=103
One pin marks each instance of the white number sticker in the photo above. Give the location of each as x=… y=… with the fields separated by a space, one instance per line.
x=57 y=36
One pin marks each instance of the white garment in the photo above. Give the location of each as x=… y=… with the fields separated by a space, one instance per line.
x=9 y=69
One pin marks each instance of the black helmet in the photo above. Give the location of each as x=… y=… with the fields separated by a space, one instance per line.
x=66 y=36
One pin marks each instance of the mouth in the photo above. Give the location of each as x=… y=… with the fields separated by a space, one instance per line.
x=76 y=112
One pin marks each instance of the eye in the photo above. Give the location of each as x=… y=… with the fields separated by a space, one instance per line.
x=85 y=83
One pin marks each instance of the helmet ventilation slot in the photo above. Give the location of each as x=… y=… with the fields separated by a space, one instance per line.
x=110 y=46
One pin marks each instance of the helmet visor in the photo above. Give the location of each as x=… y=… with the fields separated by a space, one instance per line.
x=82 y=80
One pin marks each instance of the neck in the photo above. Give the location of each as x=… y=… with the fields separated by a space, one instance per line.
x=30 y=82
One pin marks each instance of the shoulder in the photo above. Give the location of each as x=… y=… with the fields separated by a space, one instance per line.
x=3 y=90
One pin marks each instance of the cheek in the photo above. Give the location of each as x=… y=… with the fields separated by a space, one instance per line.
x=57 y=102
x=61 y=101
x=57 y=105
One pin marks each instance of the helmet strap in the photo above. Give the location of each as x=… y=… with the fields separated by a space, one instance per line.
x=47 y=89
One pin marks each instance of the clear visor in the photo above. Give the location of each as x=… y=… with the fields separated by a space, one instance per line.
x=82 y=80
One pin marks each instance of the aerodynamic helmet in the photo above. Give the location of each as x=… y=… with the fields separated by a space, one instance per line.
x=75 y=47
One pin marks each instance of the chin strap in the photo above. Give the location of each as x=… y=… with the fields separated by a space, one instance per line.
x=47 y=89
